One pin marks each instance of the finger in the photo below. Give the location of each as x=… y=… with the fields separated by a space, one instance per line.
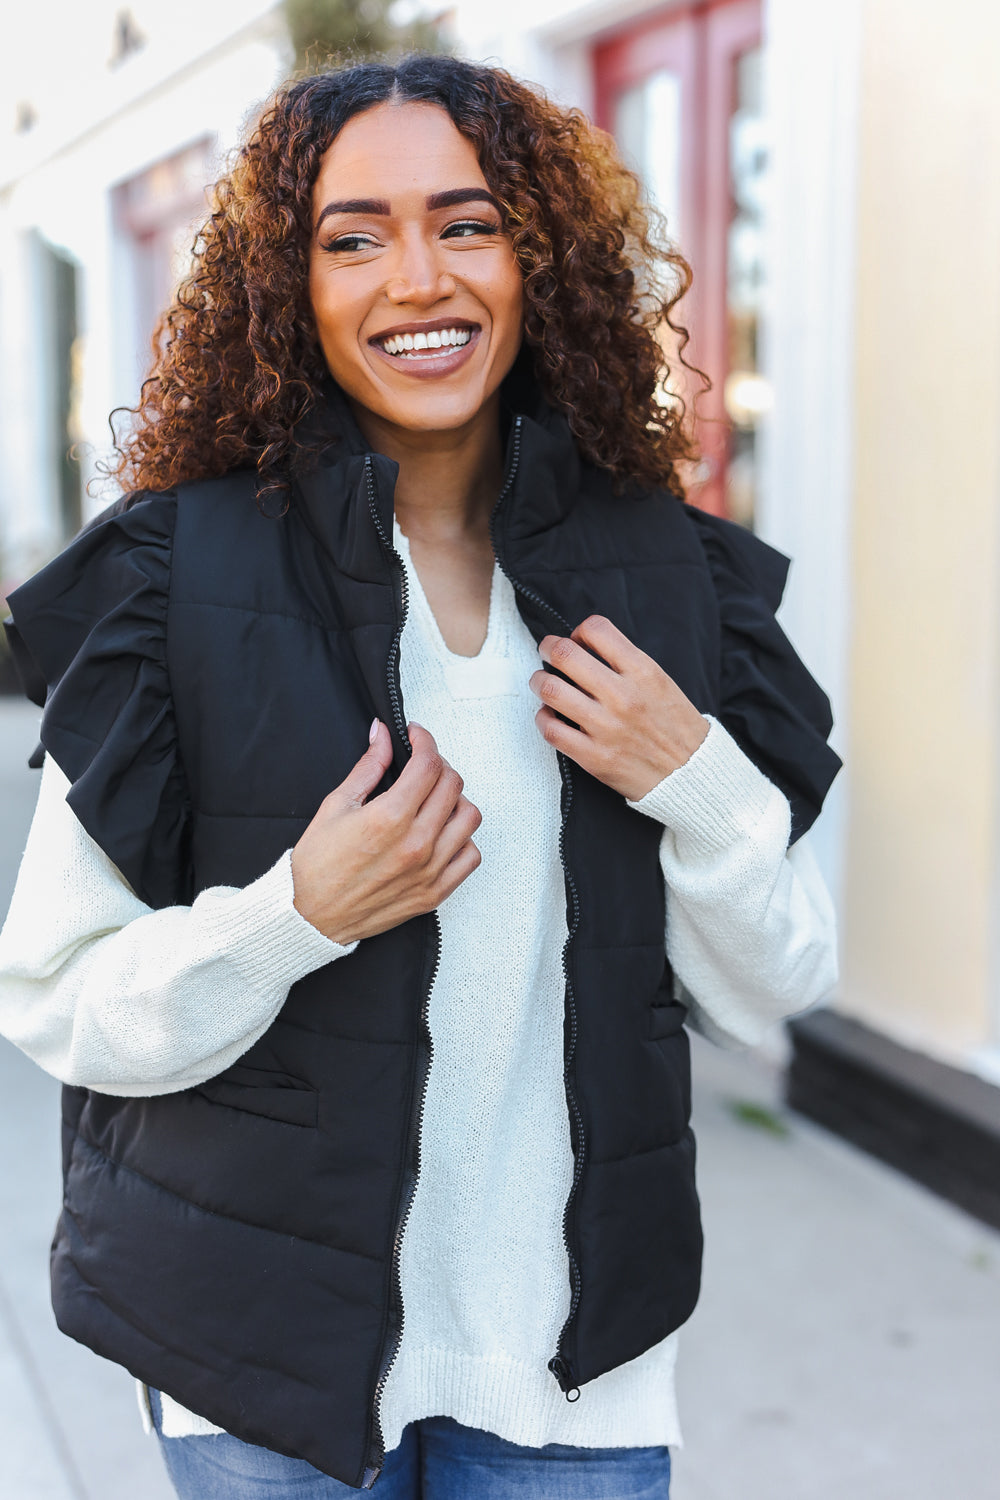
x=573 y=660
x=419 y=776
x=439 y=804
x=458 y=869
x=564 y=698
x=458 y=830
x=566 y=739
x=365 y=775
x=599 y=634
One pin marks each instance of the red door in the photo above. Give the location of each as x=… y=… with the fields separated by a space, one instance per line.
x=681 y=91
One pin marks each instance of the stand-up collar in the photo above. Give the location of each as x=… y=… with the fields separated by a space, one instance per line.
x=341 y=484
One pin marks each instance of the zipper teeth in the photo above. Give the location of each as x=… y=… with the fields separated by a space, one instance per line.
x=397 y=707
x=558 y=1364
x=401 y=1229
x=505 y=491
x=374 y=1469
x=578 y=1155
x=508 y=482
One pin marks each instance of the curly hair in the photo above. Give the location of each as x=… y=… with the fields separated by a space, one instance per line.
x=237 y=362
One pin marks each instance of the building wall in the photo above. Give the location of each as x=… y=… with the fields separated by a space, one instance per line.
x=812 y=67
x=546 y=41
x=57 y=186
x=922 y=834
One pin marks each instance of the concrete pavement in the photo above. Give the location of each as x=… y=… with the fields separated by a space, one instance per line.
x=847 y=1343
x=69 y=1423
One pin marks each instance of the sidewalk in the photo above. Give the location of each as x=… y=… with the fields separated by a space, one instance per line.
x=69 y=1422
x=847 y=1346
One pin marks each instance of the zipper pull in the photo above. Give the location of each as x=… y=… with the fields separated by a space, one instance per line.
x=561 y=1371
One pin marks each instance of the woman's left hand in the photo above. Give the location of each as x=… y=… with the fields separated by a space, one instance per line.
x=635 y=724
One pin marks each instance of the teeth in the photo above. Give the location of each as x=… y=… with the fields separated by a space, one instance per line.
x=444 y=338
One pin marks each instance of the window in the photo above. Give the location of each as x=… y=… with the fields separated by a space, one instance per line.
x=681 y=92
x=55 y=286
x=156 y=215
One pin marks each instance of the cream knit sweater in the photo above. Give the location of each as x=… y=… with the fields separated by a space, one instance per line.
x=101 y=991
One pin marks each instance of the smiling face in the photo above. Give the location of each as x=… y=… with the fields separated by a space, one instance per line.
x=413 y=283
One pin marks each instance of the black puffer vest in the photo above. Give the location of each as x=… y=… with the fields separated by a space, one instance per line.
x=211 y=674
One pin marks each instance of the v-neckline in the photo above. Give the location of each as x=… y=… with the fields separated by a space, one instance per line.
x=488 y=647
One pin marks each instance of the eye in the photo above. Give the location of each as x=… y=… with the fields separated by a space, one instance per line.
x=464 y=228
x=347 y=243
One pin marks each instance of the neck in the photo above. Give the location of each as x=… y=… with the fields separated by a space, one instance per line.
x=448 y=481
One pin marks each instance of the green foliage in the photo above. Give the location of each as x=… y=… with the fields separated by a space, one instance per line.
x=325 y=31
x=758 y=1117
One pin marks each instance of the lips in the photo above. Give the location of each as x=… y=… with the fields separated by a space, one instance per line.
x=425 y=341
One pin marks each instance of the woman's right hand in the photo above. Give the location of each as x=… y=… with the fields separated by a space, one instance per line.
x=362 y=867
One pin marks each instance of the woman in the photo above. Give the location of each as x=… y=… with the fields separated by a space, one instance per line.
x=406 y=443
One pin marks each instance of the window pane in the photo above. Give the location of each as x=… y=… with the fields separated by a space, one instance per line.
x=647 y=127
x=747 y=393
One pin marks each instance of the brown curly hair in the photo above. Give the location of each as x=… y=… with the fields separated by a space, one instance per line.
x=237 y=362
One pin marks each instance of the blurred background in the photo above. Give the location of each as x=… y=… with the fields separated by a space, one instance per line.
x=831 y=168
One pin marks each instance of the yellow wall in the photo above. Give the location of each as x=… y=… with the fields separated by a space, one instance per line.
x=925 y=684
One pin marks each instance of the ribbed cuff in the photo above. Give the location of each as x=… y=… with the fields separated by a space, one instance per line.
x=266 y=937
x=715 y=798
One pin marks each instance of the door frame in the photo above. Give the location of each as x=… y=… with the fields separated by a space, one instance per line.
x=701 y=41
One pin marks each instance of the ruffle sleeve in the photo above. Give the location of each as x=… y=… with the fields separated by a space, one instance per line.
x=88 y=636
x=771 y=705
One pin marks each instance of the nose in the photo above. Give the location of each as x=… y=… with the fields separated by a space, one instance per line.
x=418 y=275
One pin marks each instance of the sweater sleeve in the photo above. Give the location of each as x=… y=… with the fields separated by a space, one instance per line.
x=102 y=991
x=751 y=932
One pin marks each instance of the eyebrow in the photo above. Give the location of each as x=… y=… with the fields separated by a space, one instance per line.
x=462 y=195
x=381 y=208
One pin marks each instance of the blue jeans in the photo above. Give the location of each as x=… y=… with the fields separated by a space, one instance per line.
x=437 y=1459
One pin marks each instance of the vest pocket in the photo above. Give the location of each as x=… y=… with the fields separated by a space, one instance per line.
x=263 y=1091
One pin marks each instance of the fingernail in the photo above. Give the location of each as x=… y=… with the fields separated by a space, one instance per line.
x=373 y=731
x=414 y=725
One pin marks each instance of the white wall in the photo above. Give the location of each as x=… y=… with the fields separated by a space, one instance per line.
x=29 y=499
x=58 y=180
x=56 y=58
x=813 y=59
x=922 y=942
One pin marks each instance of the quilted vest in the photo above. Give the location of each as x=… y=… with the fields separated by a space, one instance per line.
x=211 y=673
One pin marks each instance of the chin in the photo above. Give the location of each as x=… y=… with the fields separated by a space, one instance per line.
x=434 y=416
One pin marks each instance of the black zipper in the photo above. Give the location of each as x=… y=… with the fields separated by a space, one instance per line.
x=560 y=1364
x=395 y=1314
